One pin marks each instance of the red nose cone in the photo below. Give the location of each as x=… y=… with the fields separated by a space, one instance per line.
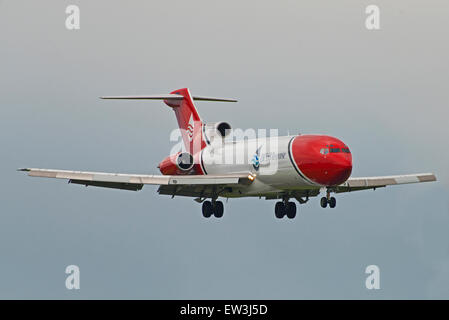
x=321 y=159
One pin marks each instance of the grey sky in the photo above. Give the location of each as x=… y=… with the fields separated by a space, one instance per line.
x=297 y=66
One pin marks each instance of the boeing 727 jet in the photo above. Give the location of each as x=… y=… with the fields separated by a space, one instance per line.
x=295 y=167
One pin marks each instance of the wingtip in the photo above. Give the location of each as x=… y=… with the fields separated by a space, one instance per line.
x=427 y=177
x=24 y=169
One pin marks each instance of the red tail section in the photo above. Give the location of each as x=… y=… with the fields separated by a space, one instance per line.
x=189 y=121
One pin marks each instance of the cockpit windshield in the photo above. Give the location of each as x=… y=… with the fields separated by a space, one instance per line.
x=333 y=149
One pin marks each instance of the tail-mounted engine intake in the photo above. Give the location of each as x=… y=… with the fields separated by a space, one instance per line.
x=216 y=130
x=179 y=163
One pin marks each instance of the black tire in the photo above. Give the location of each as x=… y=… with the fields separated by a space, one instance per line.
x=279 y=210
x=323 y=202
x=218 y=209
x=332 y=202
x=290 y=210
x=207 y=209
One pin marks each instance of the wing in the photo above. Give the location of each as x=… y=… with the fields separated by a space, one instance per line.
x=354 y=184
x=135 y=182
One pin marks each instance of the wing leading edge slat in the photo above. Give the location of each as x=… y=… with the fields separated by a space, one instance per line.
x=134 y=181
x=353 y=184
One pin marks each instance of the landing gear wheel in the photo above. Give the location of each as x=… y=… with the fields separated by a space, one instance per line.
x=207 y=209
x=218 y=209
x=332 y=202
x=279 y=210
x=323 y=202
x=290 y=210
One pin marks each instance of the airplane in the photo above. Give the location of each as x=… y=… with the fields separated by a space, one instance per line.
x=305 y=165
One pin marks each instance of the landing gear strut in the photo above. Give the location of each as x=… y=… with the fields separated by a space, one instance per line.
x=213 y=207
x=285 y=208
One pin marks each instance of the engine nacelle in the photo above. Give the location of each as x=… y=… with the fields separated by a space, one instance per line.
x=179 y=163
x=216 y=130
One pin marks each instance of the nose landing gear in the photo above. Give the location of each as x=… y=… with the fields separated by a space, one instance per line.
x=331 y=201
x=328 y=200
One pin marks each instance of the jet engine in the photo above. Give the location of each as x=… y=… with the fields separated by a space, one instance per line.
x=216 y=130
x=179 y=163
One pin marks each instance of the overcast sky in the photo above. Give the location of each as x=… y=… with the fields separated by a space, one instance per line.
x=299 y=66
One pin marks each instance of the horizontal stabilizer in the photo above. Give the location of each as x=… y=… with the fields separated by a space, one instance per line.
x=213 y=99
x=168 y=97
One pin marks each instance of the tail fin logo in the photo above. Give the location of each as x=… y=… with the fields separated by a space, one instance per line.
x=190 y=128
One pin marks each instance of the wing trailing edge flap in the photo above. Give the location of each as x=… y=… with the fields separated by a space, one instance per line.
x=134 y=181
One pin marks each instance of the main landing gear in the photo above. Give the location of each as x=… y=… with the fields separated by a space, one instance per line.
x=213 y=207
x=285 y=208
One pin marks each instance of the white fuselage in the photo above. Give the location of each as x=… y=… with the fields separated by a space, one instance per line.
x=269 y=159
